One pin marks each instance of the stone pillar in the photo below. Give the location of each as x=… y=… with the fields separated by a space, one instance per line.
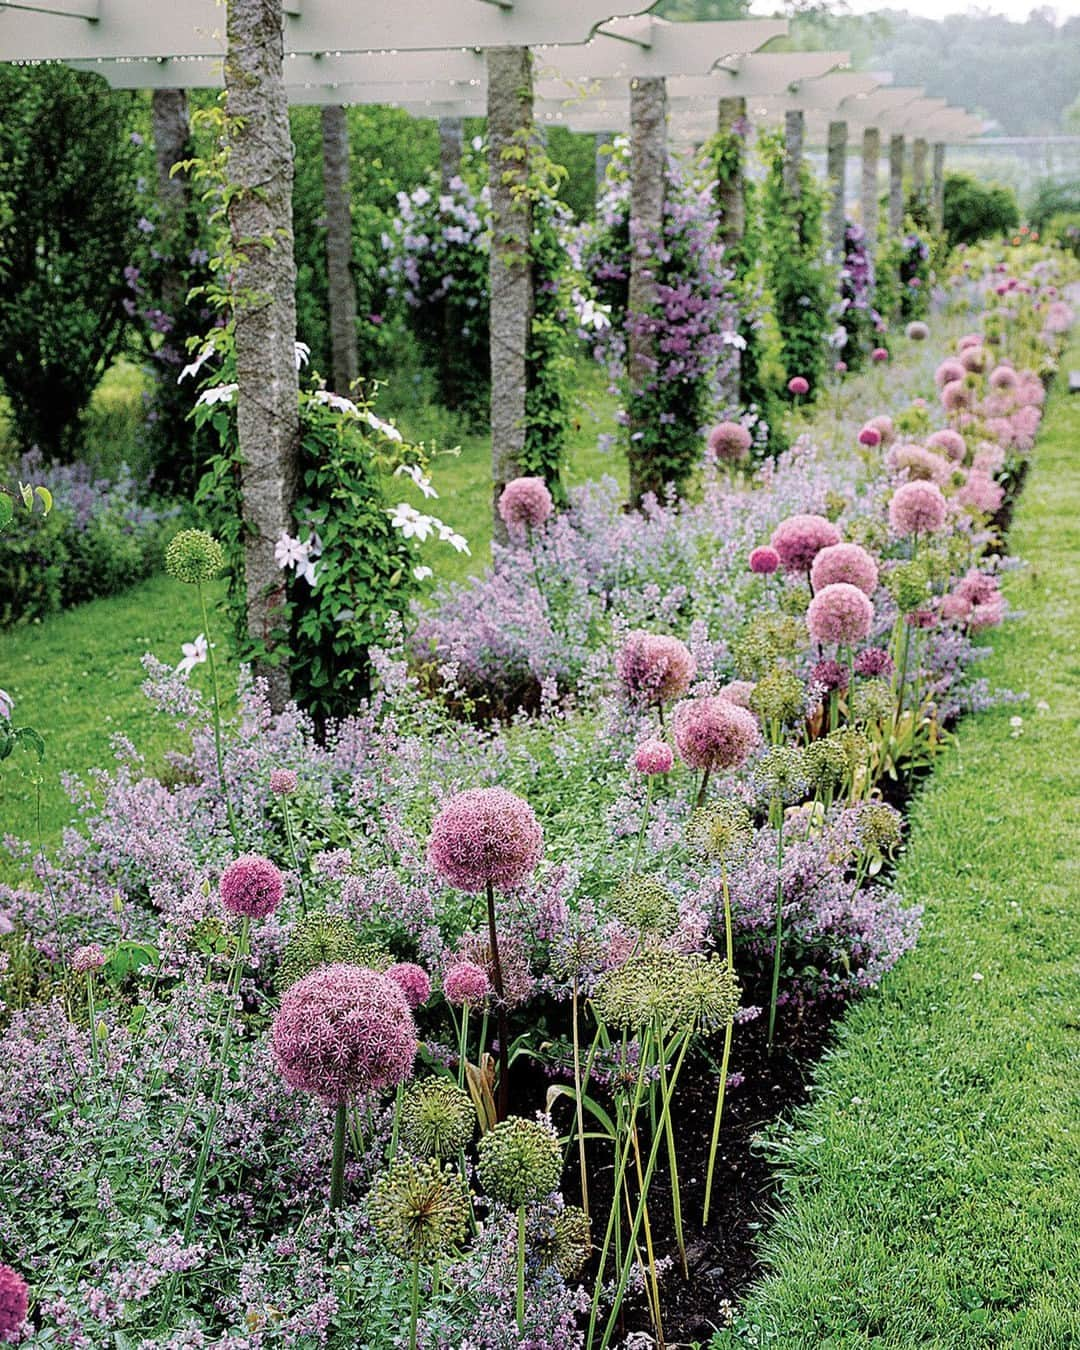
x=871 y=157
x=918 y=169
x=648 y=167
x=264 y=307
x=339 y=245
x=172 y=143
x=602 y=141
x=896 y=185
x=794 y=128
x=451 y=144
x=837 y=175
x=937 y=191
x=510 y=123
x=731 y=187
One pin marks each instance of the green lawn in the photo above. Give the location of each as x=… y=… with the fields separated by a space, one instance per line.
x=931 y=1192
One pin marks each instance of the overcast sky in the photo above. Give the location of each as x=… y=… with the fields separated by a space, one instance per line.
x=936 y=9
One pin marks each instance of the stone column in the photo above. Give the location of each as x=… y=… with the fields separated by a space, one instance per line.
x=264 y=299
x=602 y=159
x=837 y=175
x=451 y=144
x=648 y=166
x=870 y=212
x=339 y=245
x=731 y=188
x=937 y=191
x=794 y=128
x=918 y=169
x=172 y=143
x=510 y=124
x=896 y=185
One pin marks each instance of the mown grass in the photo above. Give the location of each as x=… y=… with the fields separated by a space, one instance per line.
x=931 y=1191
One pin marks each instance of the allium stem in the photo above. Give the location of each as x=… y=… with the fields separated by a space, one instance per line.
x=521 y=1269
x=91 y=1012
x=779 y=923
x=578 y=1103
x=673 y=1169
x=644 y=823
x=728 y=1031
x=704 y=787
x=337 y=1167
x=650 y=1254
x=292 y=853
x=500 y=1009
x=463 y=1044
x=217 y=718
x=414 y=1304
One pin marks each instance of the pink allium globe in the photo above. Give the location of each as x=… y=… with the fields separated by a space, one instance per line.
x=840 y=613
x=653 y=756
x=251 y=886
x=845 y=562
x=955 y=396
x=981 y=493
x=730 y=442
x=798 y=386
x=714 y=733
x=918 y=462
x=737 y=692
x=840 y=367
x=955 y=608
x=1003 y=377
x=987 y=615
x=344 y=1030
x=283 y=782
x=949 y=442
x=870 y=437
x=486 y=836
x=830 y=676
x=465 y=982
x=879 y=355
x=14 y=1302
x=949 y=370
x=413 y=981
x=917 y=331
x=799 y=540
x=873 y=661
x=917 y=508
x=969 y=340
x=973 y=359
x=654 y=668
x=524 y=504
x=85 y=960
x=764 y=560
x=976 y=586
x=883 y=425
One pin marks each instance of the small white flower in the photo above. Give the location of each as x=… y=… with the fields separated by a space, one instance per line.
x=306 y=569
x=449 y=536
x=194 y=654
x=977 y=977
x=301 y=354
x=732 y=339
x=7 y=703
x=418 y=476
x=422 y=573
x=410 y=522
x=336 y=402
x=1017 y=724
x=290 y=552
x=219 y=393
x=195 y=366
x=387 y=428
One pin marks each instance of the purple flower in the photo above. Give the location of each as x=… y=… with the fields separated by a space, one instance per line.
x=283 y=782
x=413 y=981
x=764 y=560
x=654 y=668
x=917 y=508
x=14 y=1301
x=799 y=539
x=830 y=676
x=653 y=756
x=251 y=886
x=525 y=504
x=714 y=733
x=844 y=562
x=465 y=982
x=483 y=837
x=840 y=613
x=86 y=960
x=873 y=661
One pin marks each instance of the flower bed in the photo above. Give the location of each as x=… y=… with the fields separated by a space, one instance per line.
x=633 y=912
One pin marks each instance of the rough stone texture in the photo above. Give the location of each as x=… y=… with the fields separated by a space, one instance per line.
x=602 y=141
x=794 y=128
x=731 y=191
x=260 y=221
x=937 y=191
x=342 y=291
x=896 y=185
x=871 y=157
x=648 y=164
x=918 y=168
x=451 y=142
x=510 y=122
x=837 y=175
x=172 y=143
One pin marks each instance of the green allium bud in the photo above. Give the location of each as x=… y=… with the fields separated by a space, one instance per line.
x=671 y=988
x=826 y=763
x=781 y=773
x=721 y=831
x=795 y=599
x=322 y=939
x=870 y=532
x=873 y=701
x=645 y=904
x=520 y=1161
x=835 y=505
x=709 y=991
x=565 y=1242
x=779 y=696
x=418 y=1210
x=856 y=748
x=909 y=585
x=879 y=827
x=438 y=1119
x=769 y=639
x=193 y=556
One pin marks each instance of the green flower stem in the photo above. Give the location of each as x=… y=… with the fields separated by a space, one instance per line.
x=905 y=647
x=463 y=1043
x=292 y=851
x=521 y=1269
x=644 y=822
x=414 y=1304
x=673 y=1168
x=234 y=829
x=92 y=1014
x=578 y=1104
x=502 y=1109
x=337 y=1169
x=728 y=1031
x=779 y=923
x=650 y=1254
x=703 y=788
x=396 y=1128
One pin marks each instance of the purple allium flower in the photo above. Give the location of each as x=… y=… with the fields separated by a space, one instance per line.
x=525 y=504
x=465 y=982
x=730 y=442
x=653 y=756
x=883 y=425
x=714 y=733
x=917 y=331
x=918 y=462
x=283 y=782
x=14 y=1301
x=870 y=436
x=413 y=982
x=973 y=359
x=879 y=355
x=917 y=508
x=955 y=396
x=737 y=692
x=949 y=370
x=87 y=959
x=845 y=562
x=949 y=442
x=1003 y=377
x=987 y=615
x=343 y=1030
x=873 y=661
x=981 y=493
x=799 y=540
x=798 y=385
x=485 y=836
x=841 y=369
x=840 y=613
x=654 y=668
x=830 y=676
x=251 y=886
x=764 y=560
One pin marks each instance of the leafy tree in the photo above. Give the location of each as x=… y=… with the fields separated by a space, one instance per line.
x=70 y=171
x=975 y=210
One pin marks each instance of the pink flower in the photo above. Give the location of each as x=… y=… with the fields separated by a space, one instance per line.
x=714 y=733
x=252 y=887
x=981 y=493
x=737 y=692
x=883 y=425
x=949 y=442
x=798 y=386
x=987 y=615
x=918 y=462
x=464 y=982
x=87 y=959
x=1003 y=377
x=283 y=782
x=840 y=613
x=917 y=508
x=486 y=836
x=343 y=1030
x=879 y=355
x=525 y=504
x=799 y=540
x=969 y=340
x=653 y=756
x=917 y=331
x=976 y=586
x=870 y=436
x=955 y=396
x=873 y=661
x=764 y=560
x=829 y=676
x=845 y=562
x=654 y=668
x=973 y=359
x=955 y=607
x=730 y=442
x=841 y=369
x=949 y=370
x=413 y=982
x=14 y=1302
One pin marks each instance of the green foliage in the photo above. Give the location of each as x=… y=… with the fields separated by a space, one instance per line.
x=975 y=210
x=65 y=237
x=903 y=276
x=1053 y=199
x=1065 y=228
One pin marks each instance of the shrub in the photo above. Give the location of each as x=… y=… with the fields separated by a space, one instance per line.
x=976 y=210
x=1051 y=199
